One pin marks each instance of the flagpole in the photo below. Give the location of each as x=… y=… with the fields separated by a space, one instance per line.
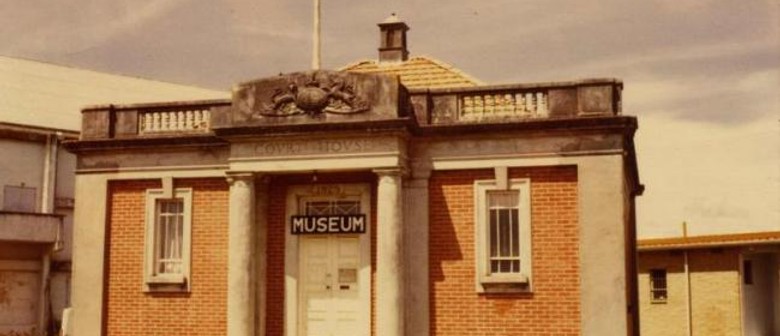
x=315 y=59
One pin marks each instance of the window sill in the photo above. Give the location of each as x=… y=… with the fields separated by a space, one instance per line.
x=499 y=279
x=516 y=283
x=167 y=283
x=169 y=279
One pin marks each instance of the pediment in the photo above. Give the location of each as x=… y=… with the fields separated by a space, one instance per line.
x=314 y=97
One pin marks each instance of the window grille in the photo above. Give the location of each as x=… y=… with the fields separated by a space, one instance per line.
x=658 y=290
x=503 y=208
x=332 y=208
x=169 y=240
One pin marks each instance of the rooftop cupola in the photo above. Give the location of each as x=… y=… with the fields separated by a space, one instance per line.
x=392 y=44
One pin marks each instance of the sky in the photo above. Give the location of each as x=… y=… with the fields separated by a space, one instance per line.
x=702 y=76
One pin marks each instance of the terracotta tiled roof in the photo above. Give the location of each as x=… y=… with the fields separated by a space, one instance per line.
x=755 y=238
x=418 y=72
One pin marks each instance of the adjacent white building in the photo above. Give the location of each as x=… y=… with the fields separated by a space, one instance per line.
x=40 y=107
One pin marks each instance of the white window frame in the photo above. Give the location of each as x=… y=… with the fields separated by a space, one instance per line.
x=486 y=282
x=167 y=282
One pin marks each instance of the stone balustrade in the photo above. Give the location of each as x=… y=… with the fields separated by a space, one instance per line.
x=149 y=120
x=503 y=105
x=176 y=121
x=517 y=102
x=489 y=104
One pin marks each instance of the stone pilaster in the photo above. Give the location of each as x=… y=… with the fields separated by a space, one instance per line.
x=241 y=250
x=416 y=254
x=390 y=267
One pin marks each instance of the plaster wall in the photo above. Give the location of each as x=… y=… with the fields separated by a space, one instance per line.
x=19 y=296
x=60 y=293
x=715 y=297
x=20 y=302
x=88 y=254
x=669 y=318
x=29 y=228
x=64 y=189
x=66 y=170
x=23 y=164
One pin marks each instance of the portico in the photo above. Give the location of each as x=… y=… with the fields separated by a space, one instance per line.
x=383 y=159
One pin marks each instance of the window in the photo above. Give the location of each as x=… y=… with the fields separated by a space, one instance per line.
x=19 y=199
x=168 y=226
x=658 y=293
x=332 y=207
x=503 y=225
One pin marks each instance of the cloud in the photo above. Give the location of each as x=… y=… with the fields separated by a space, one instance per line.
x=72 y=27
x=701 y=75
x=718 y=178
x=738 y=98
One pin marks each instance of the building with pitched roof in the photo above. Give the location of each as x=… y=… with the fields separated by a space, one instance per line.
x=397 y=197
x=710 y=285
x=39 y=109
x=416 y=72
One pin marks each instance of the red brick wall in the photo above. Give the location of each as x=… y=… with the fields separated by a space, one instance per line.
x=277 y=228
x=202 y=311
x=553 y=308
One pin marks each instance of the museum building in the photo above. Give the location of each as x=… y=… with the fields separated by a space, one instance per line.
x=393 y=197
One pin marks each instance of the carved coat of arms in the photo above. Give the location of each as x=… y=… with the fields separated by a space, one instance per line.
x=313 y=97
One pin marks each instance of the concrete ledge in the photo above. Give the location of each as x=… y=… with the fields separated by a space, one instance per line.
x=29 y=227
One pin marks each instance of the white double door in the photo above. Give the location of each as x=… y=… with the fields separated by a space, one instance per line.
x=333 y=288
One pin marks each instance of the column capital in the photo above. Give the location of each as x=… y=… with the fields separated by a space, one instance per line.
x=392 y=171
x=236 y=176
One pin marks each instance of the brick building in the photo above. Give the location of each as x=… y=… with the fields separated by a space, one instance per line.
x=354 y=202
x=710 y=285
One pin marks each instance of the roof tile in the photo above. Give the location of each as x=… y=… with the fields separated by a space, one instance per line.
x=418 y=72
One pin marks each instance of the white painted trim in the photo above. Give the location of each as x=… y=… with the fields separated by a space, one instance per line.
x=291 y=258
x=151 y=280
x=483 y=278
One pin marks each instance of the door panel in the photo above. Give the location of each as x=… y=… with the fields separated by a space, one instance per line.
x=331 y=302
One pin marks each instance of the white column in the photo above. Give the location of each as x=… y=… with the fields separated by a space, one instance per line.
x=389 y=255
x=241 y=249
x=261 y=256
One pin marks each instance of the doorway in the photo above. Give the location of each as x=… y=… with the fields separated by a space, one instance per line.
x=333 y=270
